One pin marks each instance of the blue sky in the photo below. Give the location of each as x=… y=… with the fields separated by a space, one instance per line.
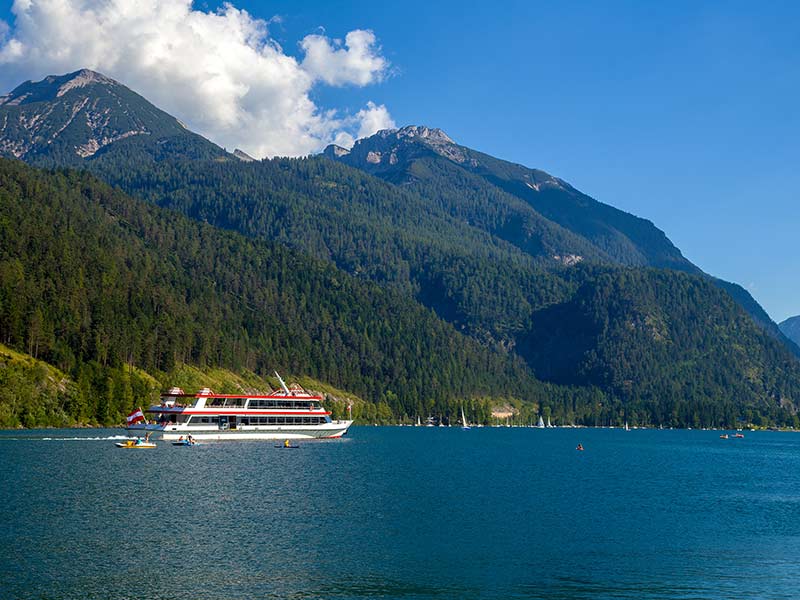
x=684 y=113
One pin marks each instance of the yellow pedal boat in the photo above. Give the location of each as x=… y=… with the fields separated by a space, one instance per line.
x=135 y=444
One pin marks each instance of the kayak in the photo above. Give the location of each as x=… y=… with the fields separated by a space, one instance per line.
x=133 y=444
x=287 y=447
x=185 y=443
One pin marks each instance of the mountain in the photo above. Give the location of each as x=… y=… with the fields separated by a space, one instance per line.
x=456 y=177
x=428 y=283
x=791 y=328
x=427 y=159
x=71 y=119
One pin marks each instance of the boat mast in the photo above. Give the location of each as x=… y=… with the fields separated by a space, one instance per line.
x=283 y=385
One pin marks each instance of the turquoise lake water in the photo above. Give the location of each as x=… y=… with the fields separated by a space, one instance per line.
x=403 y=513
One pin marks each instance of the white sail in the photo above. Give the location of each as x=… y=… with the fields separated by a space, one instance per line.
x=626 y=426
x=548 y=422
x=464 y=423
x=540 y=424
x=419 y=423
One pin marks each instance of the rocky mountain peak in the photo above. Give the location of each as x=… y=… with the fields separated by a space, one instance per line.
x=83 y=78
x=421 y=132
x=391 y=147
x=53 y=87
x=82 y=113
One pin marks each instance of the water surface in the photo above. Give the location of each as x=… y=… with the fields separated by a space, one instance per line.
x=403 y=513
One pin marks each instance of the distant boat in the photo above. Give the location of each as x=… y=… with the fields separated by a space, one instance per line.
x=548 y=422
x=626 y=426
x=739 y=435
x=464 y=424
x=724 y=436
x=540 y=424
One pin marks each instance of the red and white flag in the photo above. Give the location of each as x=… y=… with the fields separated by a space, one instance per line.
x=135 y=416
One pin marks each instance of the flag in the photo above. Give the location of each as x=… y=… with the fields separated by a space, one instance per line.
x=135 y=416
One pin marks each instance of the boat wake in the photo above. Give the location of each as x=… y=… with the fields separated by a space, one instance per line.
x=81 y=439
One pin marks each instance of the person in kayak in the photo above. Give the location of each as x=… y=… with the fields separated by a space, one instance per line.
x=286 y=444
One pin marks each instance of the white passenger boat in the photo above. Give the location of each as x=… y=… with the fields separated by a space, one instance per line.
x=288 y=413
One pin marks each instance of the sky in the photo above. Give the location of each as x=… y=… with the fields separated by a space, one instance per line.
x=684 y=113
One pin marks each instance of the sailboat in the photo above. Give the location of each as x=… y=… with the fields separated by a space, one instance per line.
x=419 y=423
x=548 y=422
x=464 y=424
x=626 y=426
x=540 y=424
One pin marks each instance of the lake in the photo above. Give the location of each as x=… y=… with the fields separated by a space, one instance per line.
x=402 y=512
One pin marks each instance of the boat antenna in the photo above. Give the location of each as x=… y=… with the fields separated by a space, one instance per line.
x=283 y=385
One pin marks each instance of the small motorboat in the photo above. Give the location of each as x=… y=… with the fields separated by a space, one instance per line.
x=137 y=443
x=579 y=447
x=186 y=443
x=724 y=436
x=739 y=435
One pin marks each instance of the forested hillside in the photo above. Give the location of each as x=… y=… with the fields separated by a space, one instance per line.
x=108 y=289
x=91 y=281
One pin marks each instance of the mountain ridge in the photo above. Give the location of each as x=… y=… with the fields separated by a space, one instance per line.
x=591 y=305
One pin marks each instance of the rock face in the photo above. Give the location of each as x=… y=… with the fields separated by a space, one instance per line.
x=243 y=156
x=791 y=329
x=67 y=119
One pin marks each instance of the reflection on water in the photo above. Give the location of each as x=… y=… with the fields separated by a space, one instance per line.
x=402 y=513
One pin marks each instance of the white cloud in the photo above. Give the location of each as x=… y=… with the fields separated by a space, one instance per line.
x=368 y=120
x=359 y=62
x=372 y=119
x=219 y=72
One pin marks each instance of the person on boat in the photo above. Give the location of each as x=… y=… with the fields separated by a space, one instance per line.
x=580 y=447
x=147 y=437
x=180 y=439
x=190 y=440
x=286 y=443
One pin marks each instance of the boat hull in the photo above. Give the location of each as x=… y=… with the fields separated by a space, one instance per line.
x=335 y=429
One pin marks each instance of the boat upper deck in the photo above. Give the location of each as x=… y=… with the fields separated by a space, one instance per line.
x=289 y=398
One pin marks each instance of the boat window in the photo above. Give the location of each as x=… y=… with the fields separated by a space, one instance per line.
x=262 y=403
x=227 y=402
x=197 y=419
